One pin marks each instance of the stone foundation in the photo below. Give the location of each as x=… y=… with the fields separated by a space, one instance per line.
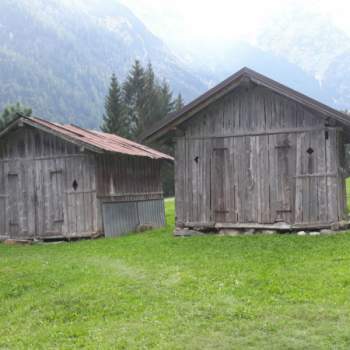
x=252 y=229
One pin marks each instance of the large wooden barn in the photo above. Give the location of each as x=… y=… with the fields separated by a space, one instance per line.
x=252 y=153
x=64 y=181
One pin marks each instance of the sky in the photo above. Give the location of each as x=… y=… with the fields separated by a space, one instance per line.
x=192 y=23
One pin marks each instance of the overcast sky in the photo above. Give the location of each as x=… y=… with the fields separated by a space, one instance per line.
x=200 y=22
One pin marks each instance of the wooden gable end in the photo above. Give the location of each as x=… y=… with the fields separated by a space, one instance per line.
x=252 y=109
x=29 y=142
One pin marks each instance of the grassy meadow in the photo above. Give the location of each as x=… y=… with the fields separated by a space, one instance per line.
x=154 y=291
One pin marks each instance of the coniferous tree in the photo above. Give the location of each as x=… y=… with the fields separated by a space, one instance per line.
x=150 y=108
x=144 y=100
x=114 y=119
x=166 y=99
x=134 y=99
x=11 y=112
x=165 y=106
x=178 y=103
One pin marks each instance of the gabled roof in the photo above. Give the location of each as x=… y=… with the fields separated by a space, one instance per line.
x=174 y=119
x=95 y=141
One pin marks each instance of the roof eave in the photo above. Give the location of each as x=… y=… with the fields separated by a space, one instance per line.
x=21 y=120
x=85 y=145
x=170 y=123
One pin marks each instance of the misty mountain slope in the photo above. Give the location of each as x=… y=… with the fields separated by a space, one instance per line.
x=224 y=61
x=336 y=80
x=309 y=40
x=57 y=56
x=313 y=43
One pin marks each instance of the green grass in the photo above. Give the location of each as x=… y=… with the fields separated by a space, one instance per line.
x=153 y=291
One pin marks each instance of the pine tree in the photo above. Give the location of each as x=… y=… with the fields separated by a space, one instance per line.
x=11 y=112
x=150 y=107
x=134 y=98
x=166 y=102
x=178 y=103
x=114 y=119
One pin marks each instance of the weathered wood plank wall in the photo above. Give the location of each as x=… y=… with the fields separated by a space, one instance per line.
x=128 y=178
x=37 y=172
x=257 y=157
x=51 y=188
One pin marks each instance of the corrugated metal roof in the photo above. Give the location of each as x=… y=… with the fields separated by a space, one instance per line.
x=100 y=140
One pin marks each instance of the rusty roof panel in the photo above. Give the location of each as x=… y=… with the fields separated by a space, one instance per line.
x=100 y=140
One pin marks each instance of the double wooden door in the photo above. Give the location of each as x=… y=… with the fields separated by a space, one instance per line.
x=253 y=179
x=32 y=198
x=293 y=178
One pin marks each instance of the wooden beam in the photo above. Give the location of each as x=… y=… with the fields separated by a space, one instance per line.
x=263 y=133
x=277 y=226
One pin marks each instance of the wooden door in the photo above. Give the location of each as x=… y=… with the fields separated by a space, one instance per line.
x=14 y=197
x=218 y=180
x=49 y=198
x=19 y=199
x=282 y=174
x=316 y=177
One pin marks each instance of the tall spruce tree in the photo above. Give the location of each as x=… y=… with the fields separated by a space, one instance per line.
x=11 y=112
x=178 y=103
x=150 y=108
x=166 y=99
x=135 y=99
x=114 y=119
x=165 y=106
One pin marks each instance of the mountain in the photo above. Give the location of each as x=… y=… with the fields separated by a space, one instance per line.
x=224 y=61
x=57 y=56
x=313 y=43
x=300 y=48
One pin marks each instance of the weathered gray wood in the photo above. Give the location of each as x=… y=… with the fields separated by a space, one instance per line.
x=3 y=200
x=179 y=181
x=331 y=164
x=219 y=190
x=37 y=171
x=268 y=176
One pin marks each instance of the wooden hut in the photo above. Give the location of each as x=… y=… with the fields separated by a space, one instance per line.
x=252 y=153
x=64 y=181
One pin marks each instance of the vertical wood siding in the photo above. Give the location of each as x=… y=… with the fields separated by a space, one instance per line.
x=48 y=188
x=129 y=191
x=119 y=175
x=257 y=157
x=37 y=172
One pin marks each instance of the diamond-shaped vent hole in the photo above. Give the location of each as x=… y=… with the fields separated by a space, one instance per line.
x=310 y=150
x=75 y=185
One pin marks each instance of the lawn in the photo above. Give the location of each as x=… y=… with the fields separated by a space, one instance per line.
x=153 y=291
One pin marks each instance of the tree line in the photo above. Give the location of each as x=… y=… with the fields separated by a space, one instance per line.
x=130 y=107
x=141 y=100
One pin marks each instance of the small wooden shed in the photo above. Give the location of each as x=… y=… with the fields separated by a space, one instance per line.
x=64 y=181
x=253 y=153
